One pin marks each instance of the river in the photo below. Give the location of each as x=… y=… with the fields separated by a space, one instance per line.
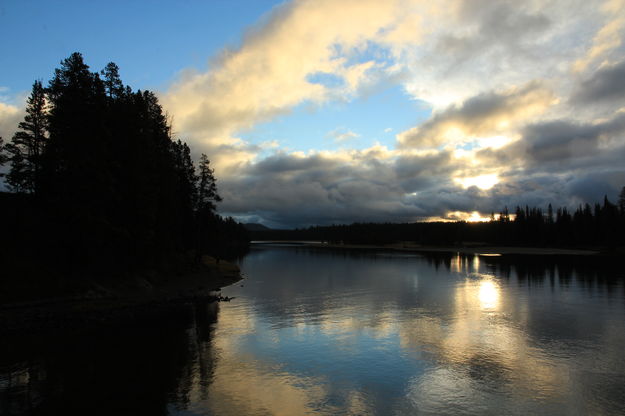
x=313 y=331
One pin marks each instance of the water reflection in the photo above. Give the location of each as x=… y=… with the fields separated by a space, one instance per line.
x=445 y=334
x=488 y=293
x=145 y=367
x=322 y=332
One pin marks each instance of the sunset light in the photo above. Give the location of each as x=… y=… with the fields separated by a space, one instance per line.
x=483 y=181
x=312 y=207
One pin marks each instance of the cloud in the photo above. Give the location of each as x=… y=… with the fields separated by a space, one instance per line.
x=289 y=190
x=271 y=71
x=608 y=37
x=499 y=78
x=10 y=117
x=561 y=146
x=487 y=114
x=474 y=46
x=606 y=84
x=596 y=185
x=560 y=141
x=342 y=135
x=558 y=161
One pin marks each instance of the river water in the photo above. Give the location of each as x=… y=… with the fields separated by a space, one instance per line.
x=338 y=332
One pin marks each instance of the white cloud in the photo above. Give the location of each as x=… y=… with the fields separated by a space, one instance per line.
x=269 y=74
x=487 y=114
x=342 y=135
x=499 y=77
x=607 y=38
x=10 y=116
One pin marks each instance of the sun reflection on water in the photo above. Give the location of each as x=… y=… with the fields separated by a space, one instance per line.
x=458 y=333
x=488 y=294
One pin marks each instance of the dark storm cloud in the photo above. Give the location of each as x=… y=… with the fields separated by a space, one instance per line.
x=563 y=140
x=283 y=163
x=294 y=191
x=562 y=145
x=560 y=140
x=416 y=173
x=562 y=162
x=290 y=190
x=607 y=84
x=595 y=185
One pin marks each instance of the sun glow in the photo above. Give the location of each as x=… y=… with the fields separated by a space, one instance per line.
x=473 y=216
x=482 y=181
x=494 y=142
x=488 y=294
x=477 y=217
x=453 y=216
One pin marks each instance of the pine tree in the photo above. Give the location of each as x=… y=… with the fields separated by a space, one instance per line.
x=4 y=158
x=17 y=178
x=207 y=190
x=112 y=81
x=549 y=214
x=185 y=169
x=75 y=162
x=110 y=182
x=621 y=201
x=27 y=145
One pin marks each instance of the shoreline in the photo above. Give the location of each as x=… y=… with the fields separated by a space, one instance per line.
x=134 y=300
x=467 y=249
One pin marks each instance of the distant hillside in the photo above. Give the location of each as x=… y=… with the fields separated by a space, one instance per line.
x=251 y=226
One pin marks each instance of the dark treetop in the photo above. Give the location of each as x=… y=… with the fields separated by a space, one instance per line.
x=99 y=187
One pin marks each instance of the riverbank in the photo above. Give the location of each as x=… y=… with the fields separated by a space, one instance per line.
x=465 y=249
x=485 y=250
x=136 y=298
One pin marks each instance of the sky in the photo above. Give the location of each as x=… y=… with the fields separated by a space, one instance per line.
x=324 y=111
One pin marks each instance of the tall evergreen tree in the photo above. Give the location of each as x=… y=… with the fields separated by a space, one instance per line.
x=207 y=190
x=27 y=145
x=549 y=214
x=76 y=161
x=185 y=170
x=4 y=158
x=112 y=81
x=78 y=158
x=114 y=189
x=621 y=201
x=210 y=226
x=17 y=178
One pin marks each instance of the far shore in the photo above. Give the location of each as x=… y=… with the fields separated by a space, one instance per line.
x=465 y=249
x=136 y=299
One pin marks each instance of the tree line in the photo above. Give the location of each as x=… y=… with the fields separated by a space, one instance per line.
x=98 y=183
x=601 y=225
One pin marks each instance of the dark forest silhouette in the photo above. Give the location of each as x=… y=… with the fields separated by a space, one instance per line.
x=99 y=187
x=600 y=226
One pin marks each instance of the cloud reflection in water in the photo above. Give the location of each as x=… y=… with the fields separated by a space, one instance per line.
x=328 y=333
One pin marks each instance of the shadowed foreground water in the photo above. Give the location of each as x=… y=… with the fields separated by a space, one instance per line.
x=326 y=332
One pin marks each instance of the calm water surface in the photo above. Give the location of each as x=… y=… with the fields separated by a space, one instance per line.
x=323 y=332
